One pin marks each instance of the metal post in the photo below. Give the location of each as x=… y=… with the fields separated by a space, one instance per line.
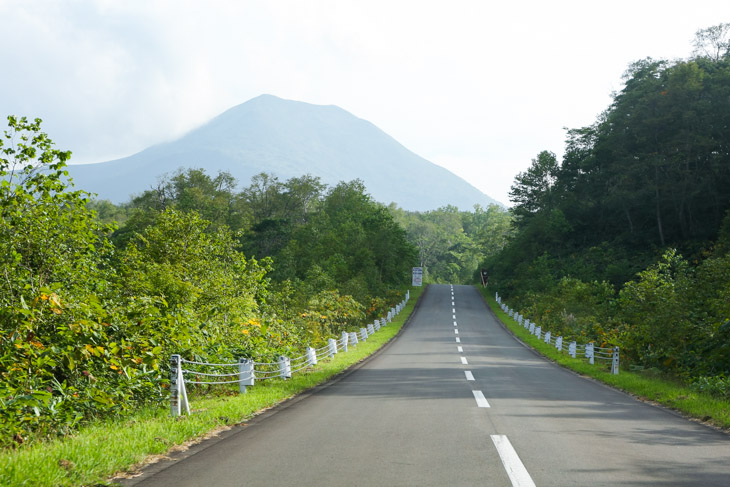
x=311 y=356
x=614 y=361
x=383 y=322
x=332 y=347
x=371 y=329
x=345 y=339
x=589 y=352
x=245 y=374
x=364 y=334
x=284 y=367
x=174 y=386
x=353 y=338
x=572 y=348
x=559 y=343
x=376 y=325
x=538 y=331
x=547 y=337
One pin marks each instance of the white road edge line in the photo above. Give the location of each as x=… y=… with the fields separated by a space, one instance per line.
x=469 y=375
x=512 y=464
x=463 y=361
x=481 y=401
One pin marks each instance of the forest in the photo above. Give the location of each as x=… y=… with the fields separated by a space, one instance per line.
x=94 y=297
x=626 y=241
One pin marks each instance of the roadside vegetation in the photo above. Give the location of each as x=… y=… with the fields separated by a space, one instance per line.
x=626 y=241
x=118 y=445
x=649 y=385
x=95 y=297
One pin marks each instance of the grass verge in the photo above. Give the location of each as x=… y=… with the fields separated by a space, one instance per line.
x=97 y=452
x=689 y=402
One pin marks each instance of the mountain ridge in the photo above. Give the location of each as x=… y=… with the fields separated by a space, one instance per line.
x=288 y=139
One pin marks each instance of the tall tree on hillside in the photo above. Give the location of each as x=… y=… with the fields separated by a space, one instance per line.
x=532 y=190
x=713 y=42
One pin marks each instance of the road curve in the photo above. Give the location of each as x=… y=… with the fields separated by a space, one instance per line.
x=456 y=400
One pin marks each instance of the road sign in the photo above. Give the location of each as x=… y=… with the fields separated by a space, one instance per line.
x=417 y=276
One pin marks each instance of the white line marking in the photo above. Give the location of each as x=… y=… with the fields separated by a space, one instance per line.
x=454 y=323
x=453 y=310
x=459 y=348
x=458 y=340
x=456 y=332
x=469 y=375
x=453 y=317
x=512 y=464
x=481 y=400
x=463 y=361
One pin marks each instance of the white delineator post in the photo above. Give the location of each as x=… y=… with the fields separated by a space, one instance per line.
x=614 y=361
x=589 y=352
x=311 y=356
x=178 y=394
x=345 y=339
x=284 y=367
x=245 y=374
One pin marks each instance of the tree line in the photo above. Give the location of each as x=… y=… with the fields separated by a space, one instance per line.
x=94 y=297
x=627 y=239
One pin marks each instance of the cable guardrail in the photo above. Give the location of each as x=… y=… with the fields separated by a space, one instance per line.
x=589 y=350
x=248 y=371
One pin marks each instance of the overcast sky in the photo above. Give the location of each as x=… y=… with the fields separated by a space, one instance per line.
x=479 y=87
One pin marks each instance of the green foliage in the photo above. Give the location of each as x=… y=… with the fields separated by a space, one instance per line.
x=87 y=326
x=452 y=242
x=642 y=187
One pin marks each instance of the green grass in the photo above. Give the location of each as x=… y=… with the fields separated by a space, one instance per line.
x=97 y=452
x=644 y=386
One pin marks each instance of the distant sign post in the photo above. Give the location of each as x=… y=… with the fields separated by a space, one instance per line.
x=485 y=277
x=417 y=276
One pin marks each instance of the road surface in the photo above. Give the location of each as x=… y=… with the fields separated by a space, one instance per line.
x=456 y=400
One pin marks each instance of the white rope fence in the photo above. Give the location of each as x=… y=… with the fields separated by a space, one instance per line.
x=588 y=350
x=246 y=371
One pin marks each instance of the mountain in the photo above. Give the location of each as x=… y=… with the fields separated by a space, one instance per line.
x=288 y=139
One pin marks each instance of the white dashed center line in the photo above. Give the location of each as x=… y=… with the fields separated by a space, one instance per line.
x=512 y=464
x=469 y=375
x=463 y=361
x=456 y=332
x=458 y=340
x=481 y=400
x=459 y=349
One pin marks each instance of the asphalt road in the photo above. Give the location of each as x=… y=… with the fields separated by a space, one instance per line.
x=412 y=416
